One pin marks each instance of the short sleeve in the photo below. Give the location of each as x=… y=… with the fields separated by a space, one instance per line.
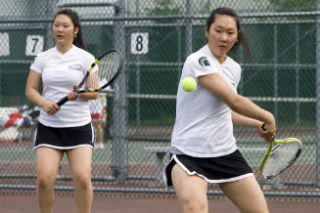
x=238 y=77
x=88 y=60
x=202 y=65
x=37 y=64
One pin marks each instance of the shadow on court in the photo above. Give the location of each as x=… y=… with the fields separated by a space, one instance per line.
x=64 y=204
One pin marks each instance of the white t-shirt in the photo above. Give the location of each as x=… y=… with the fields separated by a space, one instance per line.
x=203 y=126
x=59 y=72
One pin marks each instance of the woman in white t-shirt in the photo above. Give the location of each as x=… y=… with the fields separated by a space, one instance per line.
x=203 y=147
x=66 y=129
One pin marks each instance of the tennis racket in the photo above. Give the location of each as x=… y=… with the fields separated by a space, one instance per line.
x=102 y=72
x=280 y=155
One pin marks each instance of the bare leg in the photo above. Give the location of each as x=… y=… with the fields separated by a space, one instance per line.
x=80 y=162
x=191 y=191
x=246 y=194
x=48 y=161
x=99 y=127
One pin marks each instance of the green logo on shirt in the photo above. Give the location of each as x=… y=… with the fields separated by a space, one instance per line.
x=203 y=61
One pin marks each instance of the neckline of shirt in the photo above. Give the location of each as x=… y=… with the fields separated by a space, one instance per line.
x=209 y=51
x=65 y=53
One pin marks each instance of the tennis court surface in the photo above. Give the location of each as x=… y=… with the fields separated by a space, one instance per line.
x=66 y=204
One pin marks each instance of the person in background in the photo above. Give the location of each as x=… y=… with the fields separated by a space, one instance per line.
x=66 y=129
x=99 y=115
x=203 y=146
x=15 y=119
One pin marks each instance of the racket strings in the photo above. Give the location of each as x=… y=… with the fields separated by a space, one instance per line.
x=108 y=67
x=280 y=158
x=104 y=71
x=92 y=81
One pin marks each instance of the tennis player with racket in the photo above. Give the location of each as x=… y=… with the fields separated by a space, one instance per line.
x=203 y=147
x=70 y=77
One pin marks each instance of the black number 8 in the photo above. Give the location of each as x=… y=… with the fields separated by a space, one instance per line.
x=139 y=45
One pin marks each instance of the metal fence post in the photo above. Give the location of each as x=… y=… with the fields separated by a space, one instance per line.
x=317 y=139
x=297 y=58
x=188 y=23
x=51 y=6
x=119 y=118
x=275 y=62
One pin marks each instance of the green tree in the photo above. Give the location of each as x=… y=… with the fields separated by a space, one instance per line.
x=285 y=5
x=163 y=8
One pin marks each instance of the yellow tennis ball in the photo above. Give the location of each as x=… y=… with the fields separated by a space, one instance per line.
x=189 y=84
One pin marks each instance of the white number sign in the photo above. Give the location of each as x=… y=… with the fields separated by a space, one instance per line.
x=139 y=43
x=4 y=44
x=34 y=45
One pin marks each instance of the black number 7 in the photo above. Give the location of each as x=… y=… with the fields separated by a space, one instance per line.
x=35 y=44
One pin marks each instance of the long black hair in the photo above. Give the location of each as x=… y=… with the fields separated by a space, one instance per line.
x=77 y=41
x=242 y=39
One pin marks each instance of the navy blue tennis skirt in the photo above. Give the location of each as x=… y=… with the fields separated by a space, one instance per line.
x=64 y=138
x=222 y=169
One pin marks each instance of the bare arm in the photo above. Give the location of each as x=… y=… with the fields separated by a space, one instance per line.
x=34 y=96
x=92 y=83
x=88 y=95
x=239 y=104
x=238 y=119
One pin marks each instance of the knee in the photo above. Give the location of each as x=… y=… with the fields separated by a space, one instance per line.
x=82 y=180
x=45 y=181
x=192 y=204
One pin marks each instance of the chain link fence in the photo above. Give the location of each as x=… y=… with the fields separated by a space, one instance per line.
x=155 y=38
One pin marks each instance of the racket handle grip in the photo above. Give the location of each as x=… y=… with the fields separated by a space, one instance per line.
x=263 y=126
x=62 y=101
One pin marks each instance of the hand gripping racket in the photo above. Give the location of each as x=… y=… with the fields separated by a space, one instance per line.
x=280 y=155
x=107 y=68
